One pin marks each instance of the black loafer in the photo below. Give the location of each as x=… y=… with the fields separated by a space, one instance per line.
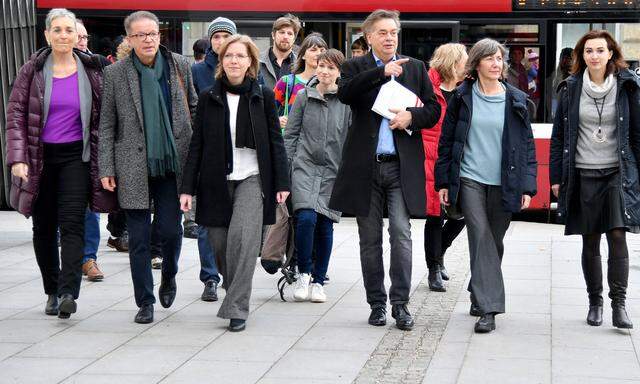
x=444 y=274
x=51 y=308
x=167 y=291
x=486 y=323
x=475 y=311
x=67 y=306
x=435 y=280
x=210 y=292
x=404 y=320
x=378 y=316
x=237 y=325
x=145 y=314
x=594 y=317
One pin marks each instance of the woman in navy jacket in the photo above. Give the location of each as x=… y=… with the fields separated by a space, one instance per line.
x=486 y=165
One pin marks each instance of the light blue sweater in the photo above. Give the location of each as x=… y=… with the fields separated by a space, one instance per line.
x=482 y=158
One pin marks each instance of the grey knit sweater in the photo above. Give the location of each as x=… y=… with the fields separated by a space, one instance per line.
x=591 y=154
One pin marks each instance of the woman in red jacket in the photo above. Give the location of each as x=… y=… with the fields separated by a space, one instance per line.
x=52 y=139
x=446 y=70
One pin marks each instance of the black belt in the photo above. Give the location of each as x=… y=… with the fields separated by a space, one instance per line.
x=385 y=157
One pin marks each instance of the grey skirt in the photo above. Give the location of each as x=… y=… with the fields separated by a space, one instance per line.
x=596 y=204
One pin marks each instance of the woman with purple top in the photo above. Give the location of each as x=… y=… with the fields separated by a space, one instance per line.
x=52 y=138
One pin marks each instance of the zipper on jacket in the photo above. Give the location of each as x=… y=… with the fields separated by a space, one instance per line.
x=620 y=159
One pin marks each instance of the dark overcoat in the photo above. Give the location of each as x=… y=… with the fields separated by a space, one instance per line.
x=360 y=82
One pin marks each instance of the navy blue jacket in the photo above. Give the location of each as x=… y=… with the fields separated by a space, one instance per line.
x=564 y=141
x=204 y=72
x=519 y=165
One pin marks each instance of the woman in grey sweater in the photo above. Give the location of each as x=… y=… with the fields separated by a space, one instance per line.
x=314 y=136
x=595 y=146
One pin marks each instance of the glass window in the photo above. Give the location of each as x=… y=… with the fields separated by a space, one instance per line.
x=194 y=30
x=505 y=33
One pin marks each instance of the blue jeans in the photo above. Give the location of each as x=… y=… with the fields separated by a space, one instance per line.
x=313 y=230
x=208 y=267
x=167 y=220
x=91 y=235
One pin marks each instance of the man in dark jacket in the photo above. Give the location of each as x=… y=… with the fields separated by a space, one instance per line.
x=278 y=60
x=148 y=101
x=204 y=72
x=383 y=163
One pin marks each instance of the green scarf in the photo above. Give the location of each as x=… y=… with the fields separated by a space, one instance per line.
x=162 y=156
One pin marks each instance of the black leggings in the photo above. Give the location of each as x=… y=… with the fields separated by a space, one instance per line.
x=617 y=262
x=438 y=237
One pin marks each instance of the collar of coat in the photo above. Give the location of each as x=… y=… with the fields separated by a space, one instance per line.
x=625 y=77
x=215 y=91
x=517 y=97
x=312 y=91
x=88 y=60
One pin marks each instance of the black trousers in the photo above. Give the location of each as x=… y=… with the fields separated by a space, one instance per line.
x=62 y=201
x=117 y=223
x=438 y=237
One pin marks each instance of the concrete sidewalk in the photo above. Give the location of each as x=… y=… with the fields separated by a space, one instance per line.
x=542 y=339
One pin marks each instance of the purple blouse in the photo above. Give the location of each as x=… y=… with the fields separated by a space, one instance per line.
x=64 y=124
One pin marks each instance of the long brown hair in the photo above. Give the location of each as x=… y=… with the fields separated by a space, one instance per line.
x=616 y=62
x=313 y=40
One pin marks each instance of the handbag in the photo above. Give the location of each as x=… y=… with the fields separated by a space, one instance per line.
x=276 y=237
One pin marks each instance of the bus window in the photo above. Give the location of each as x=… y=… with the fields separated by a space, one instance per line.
x=524 y=73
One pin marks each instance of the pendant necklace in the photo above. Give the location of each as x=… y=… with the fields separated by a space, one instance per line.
x=598 y=135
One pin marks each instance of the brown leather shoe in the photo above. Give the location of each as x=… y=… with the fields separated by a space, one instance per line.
x=91 y=270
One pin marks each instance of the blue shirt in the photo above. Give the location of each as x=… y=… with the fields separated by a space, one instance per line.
x=482 y=158
x=385 y=135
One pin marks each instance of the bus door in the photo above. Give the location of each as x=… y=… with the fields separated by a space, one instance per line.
x=420 y=39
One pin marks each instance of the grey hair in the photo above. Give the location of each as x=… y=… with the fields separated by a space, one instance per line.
x=57 y=13
x=380 y=14
x=139 y=15
x=480 y=50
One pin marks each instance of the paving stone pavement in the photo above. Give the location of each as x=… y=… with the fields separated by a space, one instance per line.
x=543 y=337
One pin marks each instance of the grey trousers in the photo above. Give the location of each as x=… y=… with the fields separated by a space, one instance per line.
x=236 y=247
x=487 y=223
x=386 y=185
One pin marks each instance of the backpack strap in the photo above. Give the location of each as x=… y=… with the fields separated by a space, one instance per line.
x=287 y=92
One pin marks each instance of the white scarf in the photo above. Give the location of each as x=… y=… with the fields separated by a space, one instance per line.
x=594 y=90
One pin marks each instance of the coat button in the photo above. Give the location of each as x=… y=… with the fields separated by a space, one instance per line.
x=512 y=167
x=621 y=118
x=566 y=151
x=565 y=119
x=622 y=152
x=624 y=185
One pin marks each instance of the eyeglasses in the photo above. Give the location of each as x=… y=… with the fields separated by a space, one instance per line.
x=230 y=56
x=143 y=36
x=84 y=37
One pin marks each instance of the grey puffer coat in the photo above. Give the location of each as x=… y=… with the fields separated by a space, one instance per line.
x=314 y=137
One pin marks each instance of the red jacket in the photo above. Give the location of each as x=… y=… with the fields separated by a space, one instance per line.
x=430 y=138
x=24 y=127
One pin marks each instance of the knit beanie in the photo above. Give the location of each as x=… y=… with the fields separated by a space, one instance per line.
x=221 y=24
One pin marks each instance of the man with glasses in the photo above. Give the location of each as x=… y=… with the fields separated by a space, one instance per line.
x=383 y=163
x=145 y=129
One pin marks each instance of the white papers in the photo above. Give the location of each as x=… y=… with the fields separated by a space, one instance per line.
x=394 y=95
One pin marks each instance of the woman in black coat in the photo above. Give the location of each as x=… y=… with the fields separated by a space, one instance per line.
x=486 y=164
x=237 y=166
x=595 y=147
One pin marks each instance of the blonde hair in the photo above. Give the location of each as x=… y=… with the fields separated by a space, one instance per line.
x=252 y=50
x=445 y=58
x=123 y=50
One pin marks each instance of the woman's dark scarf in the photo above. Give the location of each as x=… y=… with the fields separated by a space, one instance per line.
x=244 y=130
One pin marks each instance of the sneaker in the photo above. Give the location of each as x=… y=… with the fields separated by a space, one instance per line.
x=156 y=263
x=301 y=292
x=317 y=293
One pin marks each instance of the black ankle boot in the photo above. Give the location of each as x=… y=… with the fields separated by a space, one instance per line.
x=594 y=317
x=51 y=308
x=486 y=323
x=435 y=279
x=620 y=317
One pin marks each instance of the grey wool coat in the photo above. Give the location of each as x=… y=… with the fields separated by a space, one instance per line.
x=314 y=137
x=122 y=152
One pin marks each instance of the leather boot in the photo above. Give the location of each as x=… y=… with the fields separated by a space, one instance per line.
x=51 y=308
x=67 y=306
x=620 y=317
x=486 y=323
x=592 y=271
x=444 y=273
x=594 y=317
x=618 y=277
x=435 y=279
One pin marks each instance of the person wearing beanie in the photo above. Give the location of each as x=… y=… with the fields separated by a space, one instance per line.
x=203 y=78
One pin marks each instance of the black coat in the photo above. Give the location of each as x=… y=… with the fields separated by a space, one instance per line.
x=360 y=81
x=204 y=174
x=564 y=141
x=519 y=165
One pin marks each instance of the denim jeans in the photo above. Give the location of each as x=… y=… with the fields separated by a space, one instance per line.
x=313 y=231
x=91 y=235
x=167 y=219
x=208 y=267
